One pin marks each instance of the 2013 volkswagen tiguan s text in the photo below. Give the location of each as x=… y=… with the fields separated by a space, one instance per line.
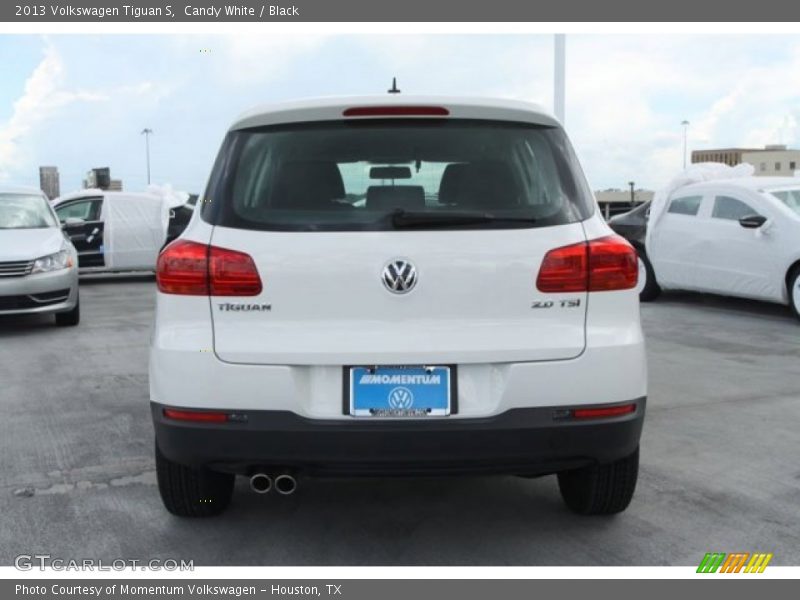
x=396 y=286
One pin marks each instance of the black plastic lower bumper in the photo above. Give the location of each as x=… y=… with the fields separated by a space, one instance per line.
x=530 y=441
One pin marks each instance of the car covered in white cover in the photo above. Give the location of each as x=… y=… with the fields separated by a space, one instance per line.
x=718 y=229
x=118 y=231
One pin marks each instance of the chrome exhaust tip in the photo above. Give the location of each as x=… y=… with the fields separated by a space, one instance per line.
x=285 y=484
x=261 y=483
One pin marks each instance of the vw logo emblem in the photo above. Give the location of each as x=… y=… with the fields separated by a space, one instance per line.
x=399 y=276
x=401 y=397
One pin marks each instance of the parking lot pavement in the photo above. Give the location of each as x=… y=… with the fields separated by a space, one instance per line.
x=720 y=469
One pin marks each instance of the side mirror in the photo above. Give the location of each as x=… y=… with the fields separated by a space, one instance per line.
x=752 y=221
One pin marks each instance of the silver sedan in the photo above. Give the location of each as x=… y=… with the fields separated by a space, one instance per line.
x=38 y=264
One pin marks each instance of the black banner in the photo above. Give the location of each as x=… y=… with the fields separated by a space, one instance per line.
x=408 y=11
x=732 y=588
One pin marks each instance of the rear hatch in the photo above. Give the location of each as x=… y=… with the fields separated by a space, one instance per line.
x=473 y=300
x=401 y=241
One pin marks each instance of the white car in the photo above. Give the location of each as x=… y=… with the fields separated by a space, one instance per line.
x=38 y=265
x=115 y=231
x=735 y=237
x=396 y=286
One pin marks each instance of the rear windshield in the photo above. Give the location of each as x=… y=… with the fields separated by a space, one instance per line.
x=362 y=176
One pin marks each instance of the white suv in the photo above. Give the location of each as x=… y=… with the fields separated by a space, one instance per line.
x=396 y=286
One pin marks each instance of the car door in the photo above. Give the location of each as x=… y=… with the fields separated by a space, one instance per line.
x=739 y=261
x=674 y=243
x=82 y=221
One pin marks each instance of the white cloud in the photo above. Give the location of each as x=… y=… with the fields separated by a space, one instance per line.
x=42 y=97
x=248 y=59
x=627 y=96
x=46 y=96
x=511 y=67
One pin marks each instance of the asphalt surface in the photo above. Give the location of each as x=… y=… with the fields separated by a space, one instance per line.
x=719 y=463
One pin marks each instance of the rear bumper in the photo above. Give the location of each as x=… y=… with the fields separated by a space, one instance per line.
x=531 y=441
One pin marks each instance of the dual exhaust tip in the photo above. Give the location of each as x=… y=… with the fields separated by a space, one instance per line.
x=284 y=483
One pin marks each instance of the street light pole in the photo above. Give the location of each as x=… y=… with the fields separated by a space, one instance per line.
x=146 y=132
x=559 y=76
x=685 y=133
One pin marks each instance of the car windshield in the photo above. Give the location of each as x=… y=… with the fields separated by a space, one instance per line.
x=790 y=198
x=25 y=211
x=380 y=175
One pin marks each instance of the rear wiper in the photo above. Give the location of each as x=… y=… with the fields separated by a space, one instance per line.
x=406 y=219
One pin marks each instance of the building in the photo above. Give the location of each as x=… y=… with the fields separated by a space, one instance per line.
x=49 y=182
x=727 y=156
x=773 y=160
x=99 y=178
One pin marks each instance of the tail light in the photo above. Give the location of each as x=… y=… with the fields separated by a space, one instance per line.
x=613 y=265
x=182 y=268
x=232 y=273
x=564 y=270
x=193 y=269
x=601 y=265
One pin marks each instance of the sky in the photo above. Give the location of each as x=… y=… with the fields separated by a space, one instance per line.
x=81 y=101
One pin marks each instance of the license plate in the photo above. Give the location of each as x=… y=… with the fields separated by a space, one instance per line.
x=413 y=391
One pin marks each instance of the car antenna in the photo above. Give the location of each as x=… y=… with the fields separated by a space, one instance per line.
x=394 y=89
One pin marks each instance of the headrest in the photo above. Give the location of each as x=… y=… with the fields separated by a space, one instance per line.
x=488 y=185
x=386 y=197
x=451 y=183
x=307 y=184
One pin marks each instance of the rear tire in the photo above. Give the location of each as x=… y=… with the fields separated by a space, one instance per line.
x=649 y=289
x=69 y=318
x=794 y=291
x=600 y=489
x=190 y=492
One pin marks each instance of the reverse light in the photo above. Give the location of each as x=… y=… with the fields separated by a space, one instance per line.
x=193 y=269
x=602 y=265
x=396 y=111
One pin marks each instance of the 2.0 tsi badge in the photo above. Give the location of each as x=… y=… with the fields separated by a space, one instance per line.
x=399 y=276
